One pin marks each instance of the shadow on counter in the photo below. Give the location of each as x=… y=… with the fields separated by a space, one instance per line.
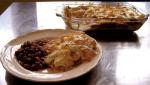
x=82 y=80
x=113 y=36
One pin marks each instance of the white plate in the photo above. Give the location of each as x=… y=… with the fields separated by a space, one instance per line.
x=12 y=66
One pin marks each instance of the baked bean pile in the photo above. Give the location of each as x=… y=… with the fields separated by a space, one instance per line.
x=31 y=55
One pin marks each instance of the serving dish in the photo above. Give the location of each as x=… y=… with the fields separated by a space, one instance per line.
x=102 y=16
x=11 y=64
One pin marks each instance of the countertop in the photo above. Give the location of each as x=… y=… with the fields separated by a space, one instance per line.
x=125 y=59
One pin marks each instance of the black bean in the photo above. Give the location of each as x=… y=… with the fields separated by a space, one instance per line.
x=40 y=65
x=29 y=59
x=33 y=65
x=30 y=55
x=26 y=65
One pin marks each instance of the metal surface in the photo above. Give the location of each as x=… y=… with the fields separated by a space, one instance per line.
x=125 y=59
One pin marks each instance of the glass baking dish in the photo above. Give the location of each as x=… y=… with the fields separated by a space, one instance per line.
x=102 y=16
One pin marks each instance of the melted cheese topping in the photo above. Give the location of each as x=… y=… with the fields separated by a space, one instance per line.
x=103 y=11
x=69 y=50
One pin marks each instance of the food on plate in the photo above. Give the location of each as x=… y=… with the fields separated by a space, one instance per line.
x=60 y=54
x=103 y=16
x=31 y=55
